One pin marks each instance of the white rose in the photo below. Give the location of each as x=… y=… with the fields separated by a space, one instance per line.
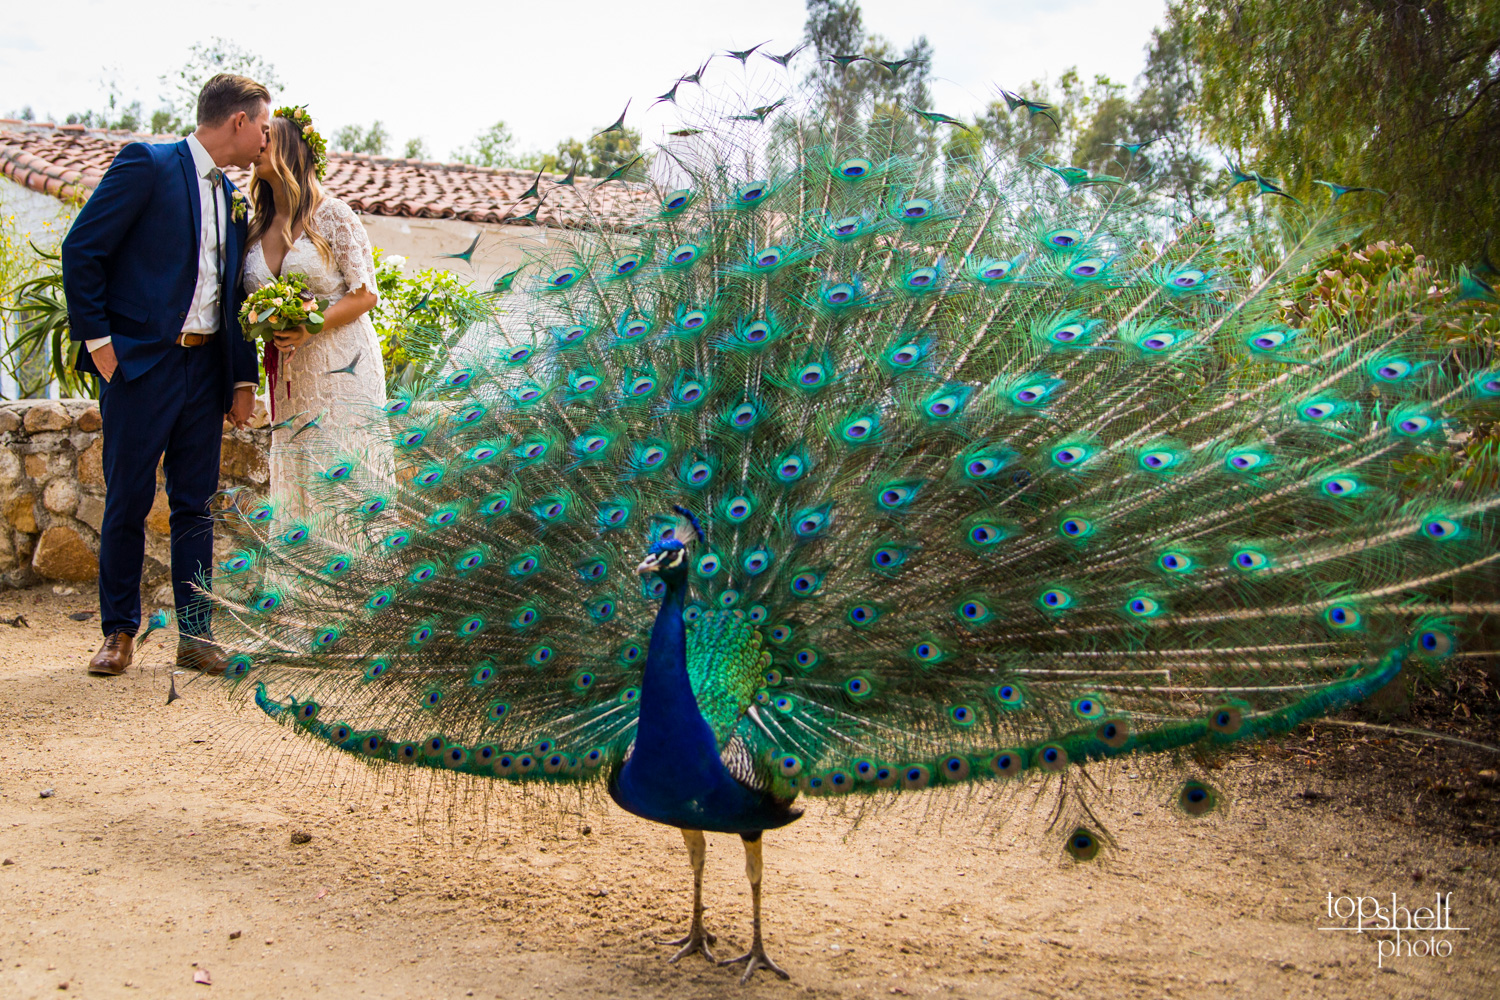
x=398 y=262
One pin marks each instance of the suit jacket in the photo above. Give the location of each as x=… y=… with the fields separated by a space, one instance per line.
x=130 y=265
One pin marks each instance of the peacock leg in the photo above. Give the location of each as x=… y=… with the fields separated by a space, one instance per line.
x=697 y=938
x=756 y=957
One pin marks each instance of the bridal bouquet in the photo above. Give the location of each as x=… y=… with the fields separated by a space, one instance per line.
x=282 y=305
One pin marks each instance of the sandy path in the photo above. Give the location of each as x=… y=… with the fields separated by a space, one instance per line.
x=158 y=851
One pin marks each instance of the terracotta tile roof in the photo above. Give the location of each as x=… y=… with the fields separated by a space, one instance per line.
x=67 y=161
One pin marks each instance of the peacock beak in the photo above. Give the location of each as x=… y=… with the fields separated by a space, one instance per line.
x=649 y=564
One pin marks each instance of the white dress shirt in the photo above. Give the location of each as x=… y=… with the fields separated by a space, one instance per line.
x=203 y=313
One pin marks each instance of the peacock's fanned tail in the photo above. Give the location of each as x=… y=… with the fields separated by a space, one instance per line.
x=998 y=477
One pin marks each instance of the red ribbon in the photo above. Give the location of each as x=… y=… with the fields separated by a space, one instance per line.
x=272 y=362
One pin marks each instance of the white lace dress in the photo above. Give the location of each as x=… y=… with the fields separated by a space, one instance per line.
x=337 y=376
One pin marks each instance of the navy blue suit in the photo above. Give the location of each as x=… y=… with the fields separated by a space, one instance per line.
x=130 y=267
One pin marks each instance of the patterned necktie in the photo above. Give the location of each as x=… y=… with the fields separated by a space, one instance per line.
x=215 y=179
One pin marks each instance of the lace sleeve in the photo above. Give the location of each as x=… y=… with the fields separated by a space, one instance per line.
x=351 y=245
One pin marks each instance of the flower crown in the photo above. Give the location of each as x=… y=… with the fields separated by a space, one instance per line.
x=298 y=116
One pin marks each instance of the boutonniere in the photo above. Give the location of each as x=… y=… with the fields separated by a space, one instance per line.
x=238 y=206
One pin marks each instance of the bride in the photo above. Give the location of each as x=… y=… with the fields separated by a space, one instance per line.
x=334 y=379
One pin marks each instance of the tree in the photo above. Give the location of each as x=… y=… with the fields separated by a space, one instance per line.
x=1399 y=96
x=416 y=149
x=490 y=148
x=206 y=59
x=374 y=140
x=836 y=28
x=599 y=156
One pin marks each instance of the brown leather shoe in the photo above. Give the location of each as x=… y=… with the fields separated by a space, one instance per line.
x=198 y=654
x=114 y=656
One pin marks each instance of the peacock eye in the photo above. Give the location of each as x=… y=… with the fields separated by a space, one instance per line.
x=922 y=278
x=518 y=355
x=1188 y=277
x=757 y=331
x=1268 y=340
x=752 y=193
x=1158 y=341
x=839 y=295
x=1055 y=599
x=641 y=385
x=683 y=255
x=854 y=168
x=1249 y=560
x=563 y=278
x=1175 y=562
x=1440 y=528
x=1317 y=411
x=916 y=209
x=1090 y=268
x=626 y=264
x=769 y=257
x=790 y=468
x=1063 y=239
x=1391 y=370
x=1340 y=486
x=676 y=201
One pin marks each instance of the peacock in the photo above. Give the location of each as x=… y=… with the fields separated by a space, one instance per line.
x=854 y=467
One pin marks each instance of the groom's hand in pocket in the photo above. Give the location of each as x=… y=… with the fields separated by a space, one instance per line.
x=104 y=360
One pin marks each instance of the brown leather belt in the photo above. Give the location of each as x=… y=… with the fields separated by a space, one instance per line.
x=193 y=339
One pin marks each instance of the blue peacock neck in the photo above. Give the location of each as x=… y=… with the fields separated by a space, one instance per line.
x=671 y=729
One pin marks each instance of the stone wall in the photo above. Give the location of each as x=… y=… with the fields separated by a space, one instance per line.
x=52 y=493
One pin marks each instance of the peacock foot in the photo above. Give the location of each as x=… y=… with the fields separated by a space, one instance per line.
x=697 y=939
x=756 y=958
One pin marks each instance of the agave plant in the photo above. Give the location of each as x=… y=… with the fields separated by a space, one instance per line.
x=38 y=310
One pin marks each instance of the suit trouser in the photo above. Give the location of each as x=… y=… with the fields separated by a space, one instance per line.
x=173 y=411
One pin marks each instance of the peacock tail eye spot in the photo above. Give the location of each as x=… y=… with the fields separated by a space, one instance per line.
x=1086 y=269
x=855 y=168
x=563 y=278
x=915 y=777
x=1083 y=845
x=839 y=295
x=685 y=254
x=396 y=406
x=626 y=264
x=519 y=355
x=923 y=277
x=1056 y=599
x=768 y=258
x=1435 y=643
x=749 y=194
x=790 y=469
x=1064 y=238
x=1187 y=279
x=916 y=209
x=1226 y=720
x=1143 y=607
x=1440 y=528
x=1006 y=765
x=1249 y=559
x=677 y=200
x=789 y=765
x=1196 y=798
x=857 y=686
x=961 y=715
x=780 y=634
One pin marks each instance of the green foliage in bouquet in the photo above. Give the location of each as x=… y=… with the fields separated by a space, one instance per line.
x=284 y=304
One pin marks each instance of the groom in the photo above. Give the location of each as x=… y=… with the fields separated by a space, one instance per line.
x=151 y=270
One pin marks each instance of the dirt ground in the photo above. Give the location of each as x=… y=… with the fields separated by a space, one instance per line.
x=165 y=851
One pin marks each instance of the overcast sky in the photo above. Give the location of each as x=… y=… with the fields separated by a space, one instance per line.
x=445 y=70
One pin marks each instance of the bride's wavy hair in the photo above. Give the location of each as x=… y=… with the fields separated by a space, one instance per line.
x=296 y=165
